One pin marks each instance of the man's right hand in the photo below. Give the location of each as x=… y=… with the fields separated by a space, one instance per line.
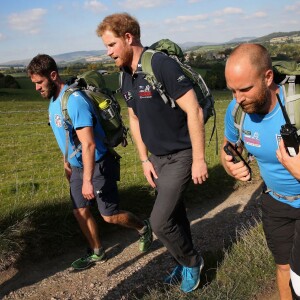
x=237 y=170
x=149 y=172
x=68 y=170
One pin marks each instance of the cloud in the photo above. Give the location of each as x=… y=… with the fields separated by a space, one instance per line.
x=218 y=21
x=95 y=6
x=2 y=36
x=290 y=22
x=185 y=19
x=259 y=14
x=228 y=11
x=60 y=7
x=295 y=7
x=256 y=15
x=28 y=21
x=134 y=4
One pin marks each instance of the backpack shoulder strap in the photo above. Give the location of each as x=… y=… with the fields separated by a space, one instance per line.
x=291 y=100
x=146 y=61
x=238 y=117
x=64 y=100
x=67 y=120
x=290 y=80
x=121 y=76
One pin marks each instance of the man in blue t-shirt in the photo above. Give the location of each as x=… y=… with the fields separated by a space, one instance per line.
x=249 y=76
x=173 y=136
x=91 y=169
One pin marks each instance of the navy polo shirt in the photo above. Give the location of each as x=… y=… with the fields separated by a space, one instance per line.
x=163 y=129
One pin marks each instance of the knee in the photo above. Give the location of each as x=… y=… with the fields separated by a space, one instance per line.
x=111 y=219
x=157 y=226
x=81 y=213
x=283 y=268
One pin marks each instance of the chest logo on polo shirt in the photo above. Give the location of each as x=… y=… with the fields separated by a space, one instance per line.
x=57 y=120
x=252 y=140
x=145 y=91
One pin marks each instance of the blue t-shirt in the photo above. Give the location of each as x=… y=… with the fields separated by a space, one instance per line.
x=82 y=115
x=261 y=135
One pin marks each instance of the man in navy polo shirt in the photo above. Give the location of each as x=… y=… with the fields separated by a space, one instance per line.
x=174 y=136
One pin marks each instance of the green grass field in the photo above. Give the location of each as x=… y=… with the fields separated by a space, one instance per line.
x=34 y=193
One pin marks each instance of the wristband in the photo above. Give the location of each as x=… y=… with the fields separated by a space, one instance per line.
x=144 y=161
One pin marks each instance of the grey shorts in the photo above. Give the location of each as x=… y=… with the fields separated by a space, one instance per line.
x=281 y=223
x=106 y=175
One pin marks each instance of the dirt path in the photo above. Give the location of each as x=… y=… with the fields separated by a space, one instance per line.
x=129 y=272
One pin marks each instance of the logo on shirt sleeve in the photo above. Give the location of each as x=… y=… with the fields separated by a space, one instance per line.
x=128 y=96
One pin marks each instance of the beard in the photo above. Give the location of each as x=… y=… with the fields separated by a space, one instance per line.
x=260 y=105
x=50 y=90
x=125 y=59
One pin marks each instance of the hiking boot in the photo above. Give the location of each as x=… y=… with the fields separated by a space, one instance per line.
x=191 y=277
x=175 y=277
x=88 y=260
x=146 y=238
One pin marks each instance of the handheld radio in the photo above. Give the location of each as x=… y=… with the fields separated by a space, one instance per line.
x=236 y=155
x=288 y=133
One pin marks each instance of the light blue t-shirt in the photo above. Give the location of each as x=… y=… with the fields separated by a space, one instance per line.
x=82 y=115
x=261 y=135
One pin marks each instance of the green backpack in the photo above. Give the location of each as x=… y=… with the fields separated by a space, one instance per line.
x=107 y=108
x=204 y=96
x=286 y=74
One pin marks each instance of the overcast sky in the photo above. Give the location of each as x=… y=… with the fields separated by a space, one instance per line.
x=29 y=27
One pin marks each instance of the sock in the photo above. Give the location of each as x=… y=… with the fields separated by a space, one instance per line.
x=143 y=230
x=295 y=282
x=98 y=251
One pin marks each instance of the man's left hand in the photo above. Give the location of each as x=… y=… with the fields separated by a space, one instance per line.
x=292 y=164
x=199 y=172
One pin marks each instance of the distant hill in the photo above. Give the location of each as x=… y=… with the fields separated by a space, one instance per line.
x=279 y=37
x=66 y=58
x=188 y=45
x=100 y=55
x=241 y=40
x=77 y=55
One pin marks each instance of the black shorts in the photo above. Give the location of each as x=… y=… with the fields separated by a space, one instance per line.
x=106 y=175
x=281 y=223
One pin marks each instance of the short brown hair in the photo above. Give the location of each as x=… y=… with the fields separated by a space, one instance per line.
x=42 y=65
x=120 y=24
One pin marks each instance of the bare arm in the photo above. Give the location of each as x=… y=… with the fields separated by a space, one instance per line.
x=148 y=168
x=86 y=137
x=237 y=170
x=189 y=104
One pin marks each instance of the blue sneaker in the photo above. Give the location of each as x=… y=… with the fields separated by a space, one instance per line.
x=191 y=277
x=175 y=277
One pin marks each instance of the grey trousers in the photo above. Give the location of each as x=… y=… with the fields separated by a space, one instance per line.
x=168 y=217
